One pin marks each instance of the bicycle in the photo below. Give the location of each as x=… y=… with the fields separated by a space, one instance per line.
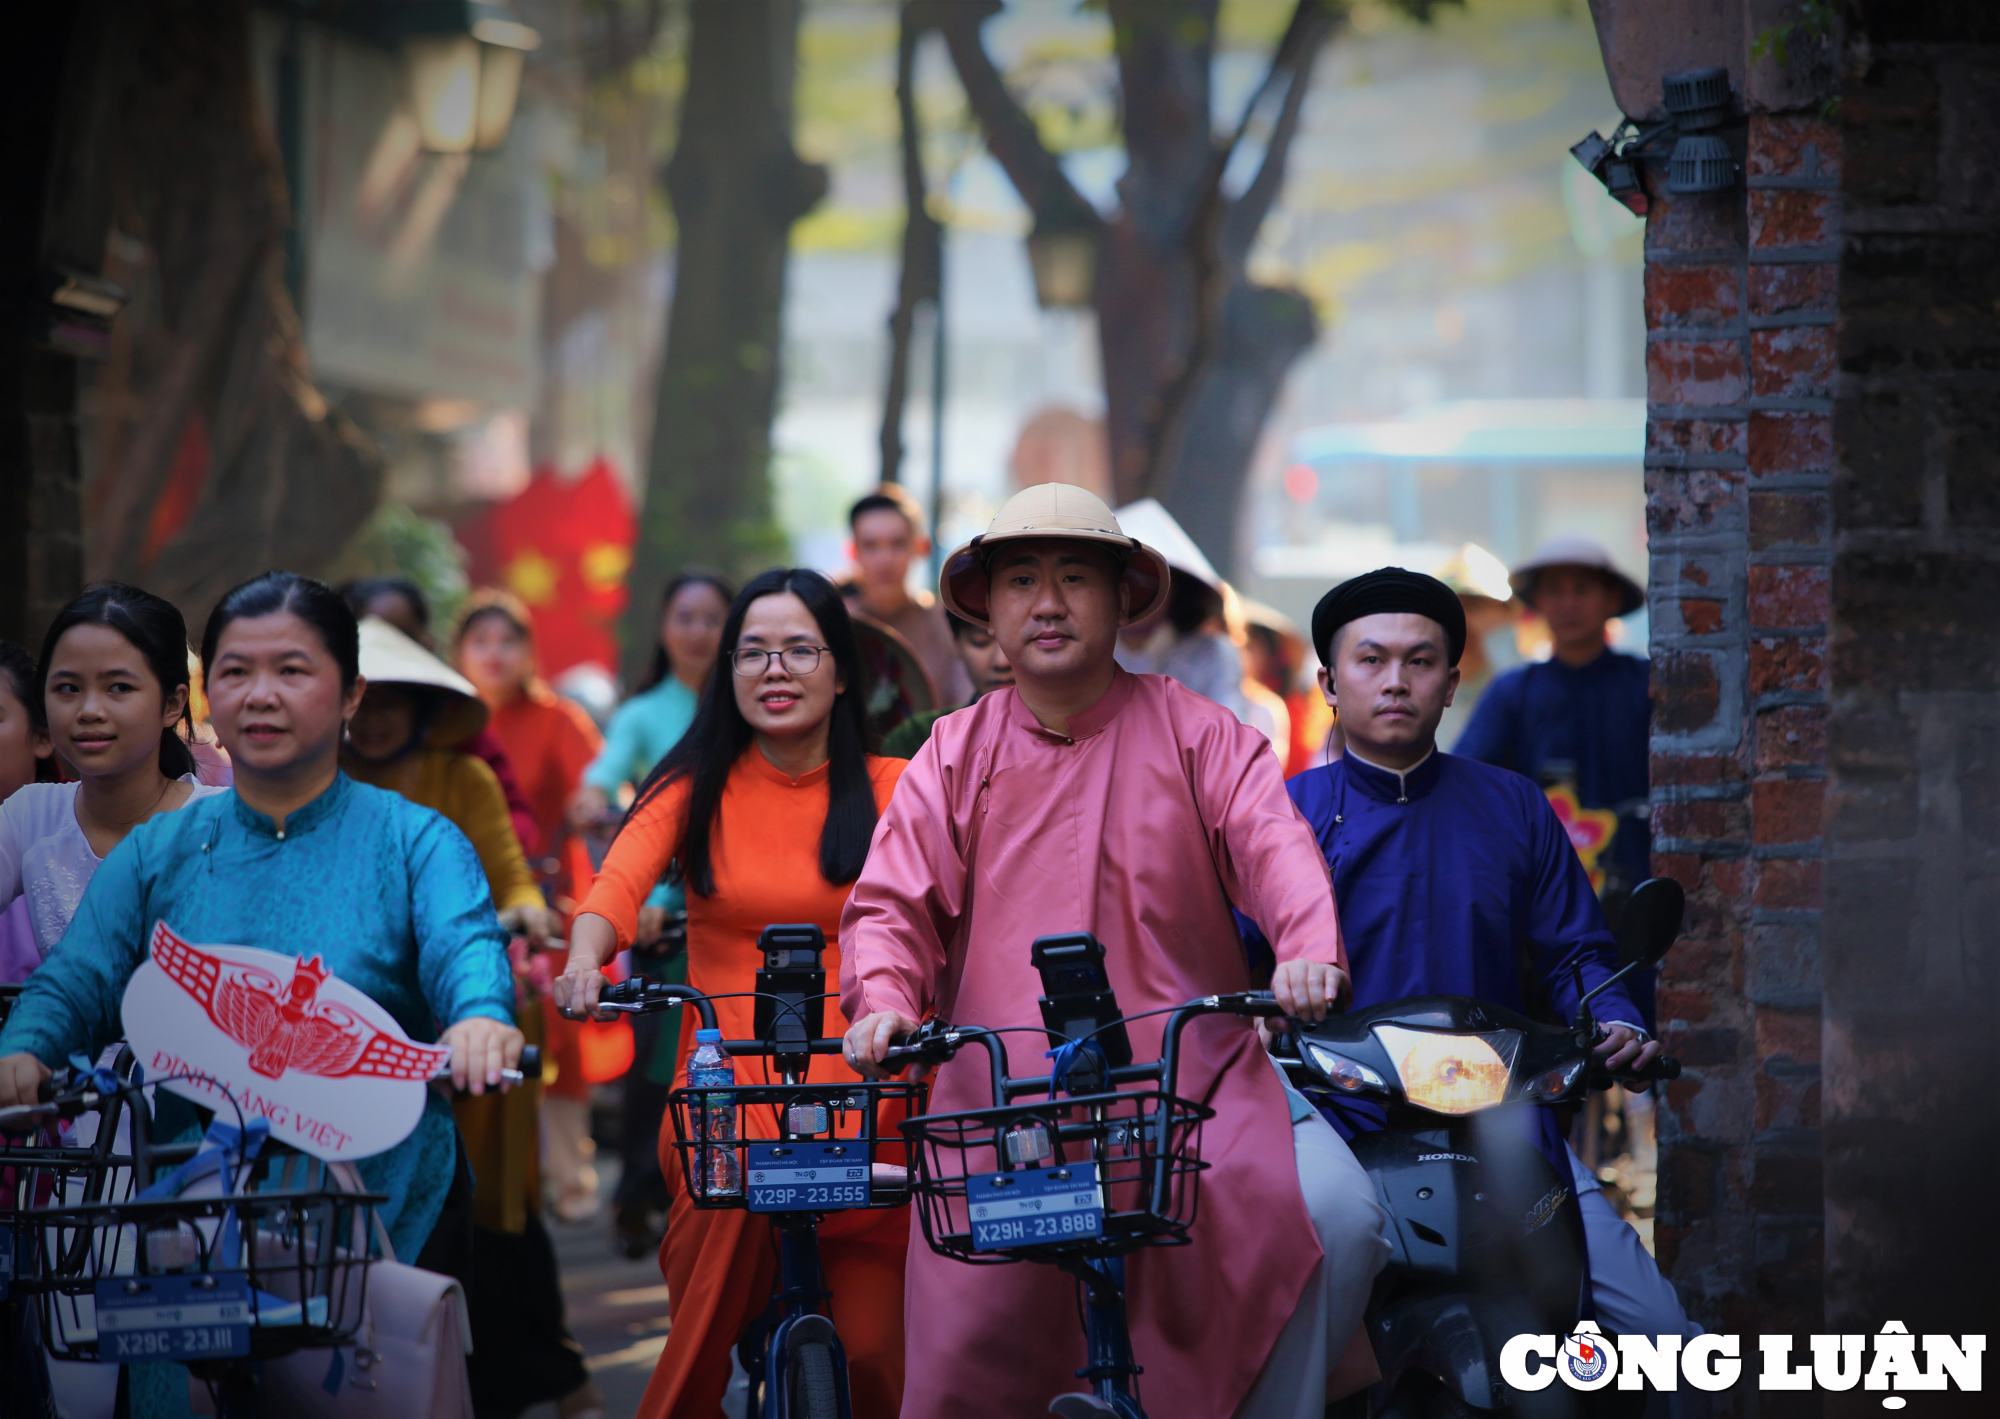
x=1080 y=1181
x=814 y=1166
x=124 y=1254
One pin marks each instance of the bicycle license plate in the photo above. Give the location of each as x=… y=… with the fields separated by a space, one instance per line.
x=1034 y=1207
x=808 y=1177
x=173 y=1317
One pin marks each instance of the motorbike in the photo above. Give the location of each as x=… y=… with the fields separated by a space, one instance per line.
x=1488 y=1239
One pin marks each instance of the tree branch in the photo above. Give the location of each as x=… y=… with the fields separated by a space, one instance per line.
x=1313 y=24
x=922 y=264
x=1010 y=134
x=1220 y=234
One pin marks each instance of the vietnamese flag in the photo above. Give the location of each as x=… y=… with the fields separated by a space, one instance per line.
x=564 y=547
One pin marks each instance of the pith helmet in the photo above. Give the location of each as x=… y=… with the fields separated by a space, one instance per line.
x=1047 y=510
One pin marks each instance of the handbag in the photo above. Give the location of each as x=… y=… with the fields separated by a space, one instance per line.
x=407 y=1359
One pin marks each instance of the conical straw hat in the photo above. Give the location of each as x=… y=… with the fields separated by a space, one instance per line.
x=388 y=657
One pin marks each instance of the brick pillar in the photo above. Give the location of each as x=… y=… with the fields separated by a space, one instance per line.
x=1740 y=292
x=1912 y=937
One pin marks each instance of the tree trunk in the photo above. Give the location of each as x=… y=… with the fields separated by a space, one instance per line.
x=737 y=187
x=214 y=456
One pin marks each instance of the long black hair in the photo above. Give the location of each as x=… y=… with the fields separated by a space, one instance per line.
x=155 y=629
x=719 y=735
x=17 y=672
x=313 y=602
x=663 y=663
x=17 y=669
x=362 y=591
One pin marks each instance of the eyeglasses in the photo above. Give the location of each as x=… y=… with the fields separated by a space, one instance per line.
x=797 y=660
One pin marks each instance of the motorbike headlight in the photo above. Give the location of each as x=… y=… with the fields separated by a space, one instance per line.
x=1451 y=1074
x=1343 y=1073
x=1554 y=1083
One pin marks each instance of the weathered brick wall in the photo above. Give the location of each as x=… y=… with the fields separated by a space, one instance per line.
x=1912 y=932
x=1740 y=309
x=1823 y=474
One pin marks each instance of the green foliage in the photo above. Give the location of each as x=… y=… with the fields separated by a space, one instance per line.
x=1815 y=22
x=396 y=541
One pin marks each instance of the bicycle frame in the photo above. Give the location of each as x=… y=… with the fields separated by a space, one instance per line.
x=1099 y=1265
x=801 y=1280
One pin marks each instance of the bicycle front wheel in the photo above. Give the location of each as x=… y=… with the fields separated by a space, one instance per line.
x=815 y=1392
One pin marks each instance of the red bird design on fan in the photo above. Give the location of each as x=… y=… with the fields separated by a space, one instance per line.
x=290 y=1027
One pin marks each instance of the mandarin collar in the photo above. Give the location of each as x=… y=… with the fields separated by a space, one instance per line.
x=765 y=769
x=1391 y=786
x=1085 y=724
x=300 y=820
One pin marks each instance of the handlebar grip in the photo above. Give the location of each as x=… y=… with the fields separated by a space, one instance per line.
x=1664 y=1067
x=531 y=1062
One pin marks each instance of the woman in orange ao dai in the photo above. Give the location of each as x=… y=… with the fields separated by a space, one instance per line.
x=767 y=803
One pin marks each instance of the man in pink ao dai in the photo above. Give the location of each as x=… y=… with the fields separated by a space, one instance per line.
x=1089 y=799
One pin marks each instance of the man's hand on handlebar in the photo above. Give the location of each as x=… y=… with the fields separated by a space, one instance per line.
x=21 y=1077
x=480 y=1049
x=1624 y=1052
x=869 y=1038
x=1308 y=990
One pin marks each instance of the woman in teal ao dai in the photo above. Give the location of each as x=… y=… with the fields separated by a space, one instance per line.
x=296 y=859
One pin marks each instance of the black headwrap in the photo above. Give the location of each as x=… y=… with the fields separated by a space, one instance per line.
x=1389 y=590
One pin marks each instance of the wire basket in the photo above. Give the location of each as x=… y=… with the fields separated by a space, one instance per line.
x=268 y=1269
x=829 y=1147
x=277 y=1262
x=1095 y=1176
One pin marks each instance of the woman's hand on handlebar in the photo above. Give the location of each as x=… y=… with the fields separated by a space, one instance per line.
x=592 y=941
x=537 y=923
x=869 y=1038
x=1307 y=990
x=587 y=807
x=480 y=1049
x=1624 y=1052
x=21 y=1077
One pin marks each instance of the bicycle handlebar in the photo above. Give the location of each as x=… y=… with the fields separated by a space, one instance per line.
x=58 y=1095
x=937 y=1042
x=1661 y=1067
x=636 y=995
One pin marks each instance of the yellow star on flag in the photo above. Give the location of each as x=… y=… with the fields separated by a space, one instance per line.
x=533 y=577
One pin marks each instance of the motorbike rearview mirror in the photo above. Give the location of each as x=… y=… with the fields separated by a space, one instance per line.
x=1646 y=930
x=1650 y=922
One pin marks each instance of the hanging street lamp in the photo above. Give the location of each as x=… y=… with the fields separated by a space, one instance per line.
x=465 y=59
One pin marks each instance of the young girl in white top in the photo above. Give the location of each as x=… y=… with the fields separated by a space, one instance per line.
x=113 y=681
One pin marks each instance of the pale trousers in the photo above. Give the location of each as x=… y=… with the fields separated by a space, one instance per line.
x=1352 y=1227
x=1632 y=1297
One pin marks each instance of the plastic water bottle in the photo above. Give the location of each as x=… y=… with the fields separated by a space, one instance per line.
x=710 y=1067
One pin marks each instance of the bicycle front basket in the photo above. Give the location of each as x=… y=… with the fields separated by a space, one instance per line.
x=278 y=1263
x=1099 y=1175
